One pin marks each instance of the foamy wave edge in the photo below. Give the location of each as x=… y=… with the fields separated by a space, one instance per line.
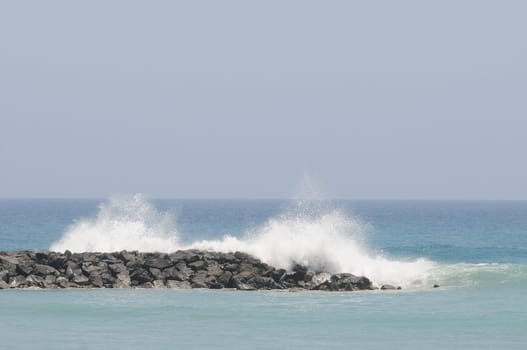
x=326 y=240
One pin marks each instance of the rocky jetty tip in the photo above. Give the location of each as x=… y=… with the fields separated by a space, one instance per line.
x=183 y=269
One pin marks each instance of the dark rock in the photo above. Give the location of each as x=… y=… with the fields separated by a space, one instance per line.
x=278 y=274
x=259 y=282
x=80 y=280
x=241 y=256
x=42 y=258
x=301 y=284
x=7 y=259
x=187 y=256
x=43 y=270
x=214 y=285
x=34 y=281
x=231 y=267
x=50 y=281
x=90 y=267
x=199 y=279
x=179 y=256
x=72 y=270
x=198 y=284
x=173 y=273
x=348 y=282
x=128 y=256
x=96 y=280
x=86 y=257
x=17 y=281
x=57 y=261
x=182 y=269
x=299 y=272
x=134 y=264
x=9 y=264
x=198 y=265
x=289 y=277
x=117 y=268
x=159 y=262
x=388 y=287
x=298 y=276
x=111 y=258
x=122 y=280
x=182 y=266
x=27 y=255
x=246 y=274
x=4 y=275
x=308 y=276
x=436 y=286
x=107 y=278
x=3 y=284
x=245 y=267
x=25 y=268
x=62 y=282
x=240 y=284
x=268 y=272
x=193 y=256
x=140 y=276
x=211 y=256
x=178 y=284
x=225 y=278
x=156 y=273
x=228 y=259
x=214 y=270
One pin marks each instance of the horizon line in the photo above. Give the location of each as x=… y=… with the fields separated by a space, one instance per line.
x=268 y=198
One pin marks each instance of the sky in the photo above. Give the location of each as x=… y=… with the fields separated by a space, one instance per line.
x=241 y=99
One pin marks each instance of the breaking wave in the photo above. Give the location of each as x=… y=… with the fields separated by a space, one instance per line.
x=325 y=239
x=330 y=242
x=122 y=223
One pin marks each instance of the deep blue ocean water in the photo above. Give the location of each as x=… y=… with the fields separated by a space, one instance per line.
x=478 y=248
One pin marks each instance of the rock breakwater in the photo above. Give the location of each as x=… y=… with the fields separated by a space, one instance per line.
x=182 y=269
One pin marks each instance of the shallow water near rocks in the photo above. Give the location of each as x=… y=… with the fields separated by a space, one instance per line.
x=478 y=252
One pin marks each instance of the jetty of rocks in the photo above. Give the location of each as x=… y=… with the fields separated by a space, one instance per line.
x=182 y=269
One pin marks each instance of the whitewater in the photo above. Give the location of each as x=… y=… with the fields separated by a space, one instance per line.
x=313 y=234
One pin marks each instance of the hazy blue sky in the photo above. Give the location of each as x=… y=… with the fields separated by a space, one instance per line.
x=375 y=99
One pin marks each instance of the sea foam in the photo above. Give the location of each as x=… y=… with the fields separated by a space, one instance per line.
x=308 y=233
x=122 y=223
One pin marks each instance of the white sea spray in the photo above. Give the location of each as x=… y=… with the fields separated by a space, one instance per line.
x=309 y=233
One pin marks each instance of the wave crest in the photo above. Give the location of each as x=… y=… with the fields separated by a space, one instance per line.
x=323 y=239
x=122 y=223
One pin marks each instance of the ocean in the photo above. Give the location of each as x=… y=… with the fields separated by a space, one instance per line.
x=475 y=250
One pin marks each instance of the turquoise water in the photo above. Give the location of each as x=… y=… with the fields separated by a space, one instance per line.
x=474 y=318
x=478 y=251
